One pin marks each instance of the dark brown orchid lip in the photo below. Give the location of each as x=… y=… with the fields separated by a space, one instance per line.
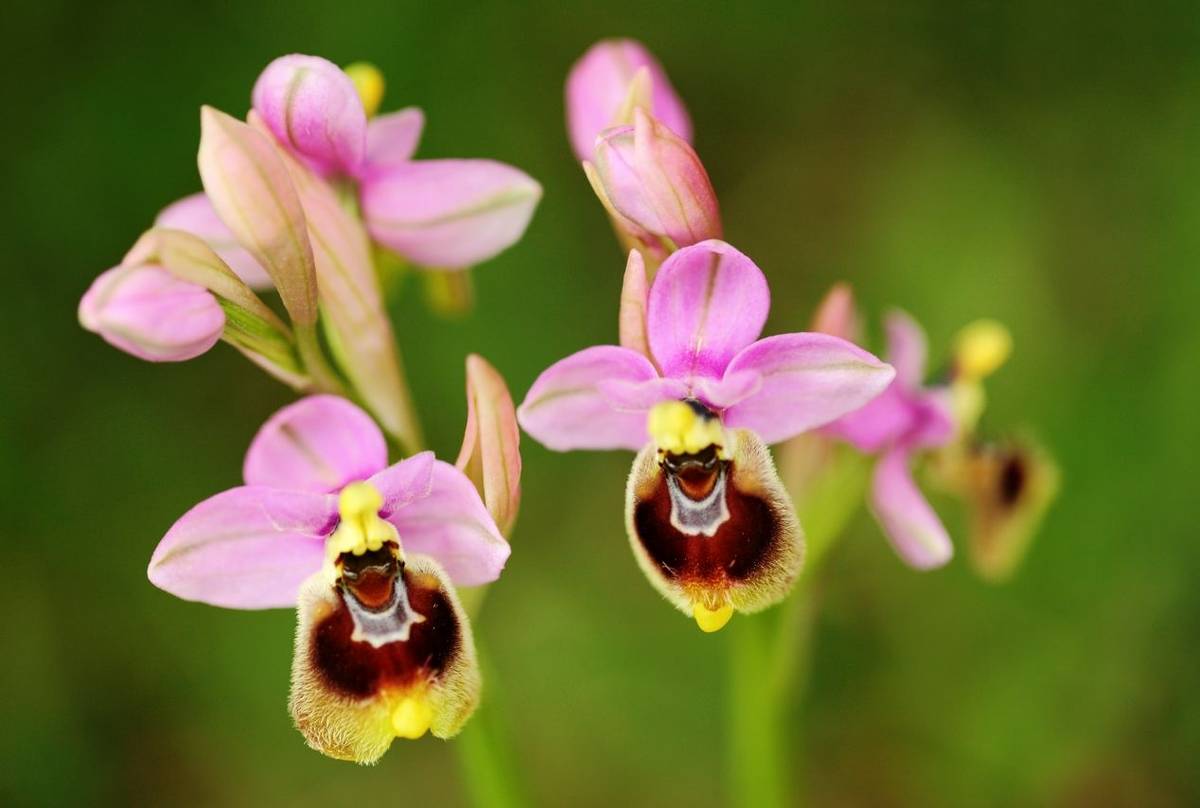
x=417 y=606
x=734 y=544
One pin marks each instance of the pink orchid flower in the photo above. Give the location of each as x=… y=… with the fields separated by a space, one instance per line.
x=909 y=417
x=443 y=214
x=698 y=395
x=368 y=552
x=599 y=85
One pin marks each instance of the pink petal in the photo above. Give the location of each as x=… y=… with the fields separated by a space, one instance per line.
x=452 y=525
x=405 y=482
x=392 y=139
x=245 y=548
x=906 y=348
x=195 y=214
x=597 y=87
x=733 y=388
x=313 y=109
x=146 y=311
x=319 y=443
x=566 y=409
x=906 y=516
x=708 y=302
x=807 y=380
x=449 y=214
x=883 y=420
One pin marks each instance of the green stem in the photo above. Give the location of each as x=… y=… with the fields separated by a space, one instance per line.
x=768 y=669
x=757 y=761
x=309 y=348
x=488 y=771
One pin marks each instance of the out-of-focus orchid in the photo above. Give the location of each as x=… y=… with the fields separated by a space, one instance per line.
x=654 y=186
x=1007 y=485
x=707 y=518
x=599 y=88
x=443 y=214
x=367 y=552
x=908 y=418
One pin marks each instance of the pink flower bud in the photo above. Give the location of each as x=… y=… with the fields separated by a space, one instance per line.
x=599 y=83
x=312 y=108
x=655 y=184
x=146 y=311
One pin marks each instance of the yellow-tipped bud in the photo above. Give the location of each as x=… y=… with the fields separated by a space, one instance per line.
x=411 y=718
x=360 y=530
x=981 y=348
x=676 y=427
x=368 y=80
x=710 y=620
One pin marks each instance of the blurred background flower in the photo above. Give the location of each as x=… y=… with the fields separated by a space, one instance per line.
x=1036 y=165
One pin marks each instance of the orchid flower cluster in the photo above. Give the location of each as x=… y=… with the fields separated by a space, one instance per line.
x=699 y=396
x=304 y=198
x=307 y=197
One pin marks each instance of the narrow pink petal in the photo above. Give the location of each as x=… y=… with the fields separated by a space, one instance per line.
x=312 y=108
x=491 y=448
x=245 y=548
x=566 y=409
x=808 y=380
x=452 y=525
x=449 y=214
x=598 y=84
x=319 y=443
x=906 y=348
x=195 y=214
x=708 y=302
x=146 y=311
x=906 y=516
x=392 y=139
x=632 y=316
x=627 y=396
x=885 y=419
x=731 y=389
x=404 y=482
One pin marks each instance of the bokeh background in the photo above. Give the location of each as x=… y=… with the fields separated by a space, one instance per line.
x=1039 y=163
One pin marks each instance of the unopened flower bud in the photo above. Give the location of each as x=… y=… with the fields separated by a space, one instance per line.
x=313 y=108
x=655 y=185
x=599 y=85
x=146 y=311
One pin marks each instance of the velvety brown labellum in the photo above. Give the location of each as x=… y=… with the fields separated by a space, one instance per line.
x=1009 y=487
x=755 y=554
x=344 y=690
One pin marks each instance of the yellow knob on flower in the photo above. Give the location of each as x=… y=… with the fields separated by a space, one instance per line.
x=981 y=348
x=710 y=620
x=368 y=81
x=361 y=529
x=411 y=718
x=678 y=428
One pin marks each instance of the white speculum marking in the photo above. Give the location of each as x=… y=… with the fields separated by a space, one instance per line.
x=698 y=517
x=391 y=623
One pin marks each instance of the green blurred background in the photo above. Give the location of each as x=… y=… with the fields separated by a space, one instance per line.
x=1033 y=163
